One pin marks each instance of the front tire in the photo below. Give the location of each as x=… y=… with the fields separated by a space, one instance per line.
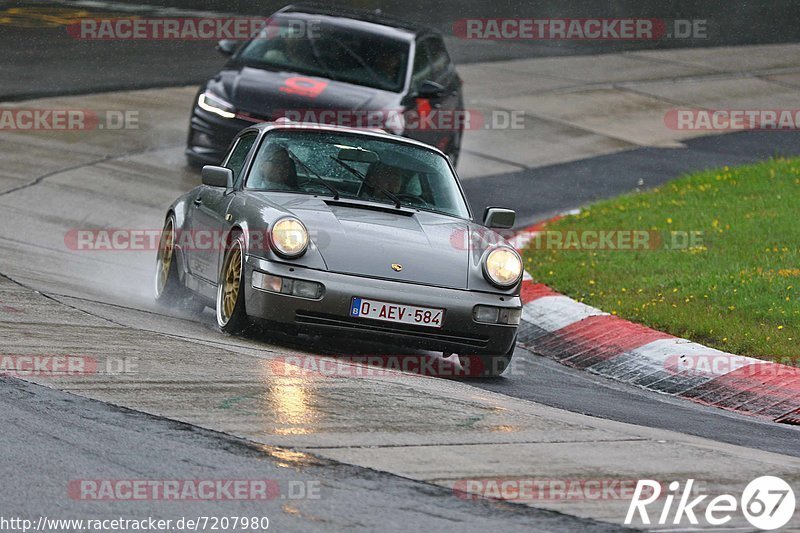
x=168 y=290
x=231 y=314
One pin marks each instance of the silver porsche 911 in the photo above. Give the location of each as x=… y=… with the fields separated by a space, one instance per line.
x=330 y=230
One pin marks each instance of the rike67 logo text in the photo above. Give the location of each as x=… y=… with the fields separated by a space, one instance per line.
x=768 y=503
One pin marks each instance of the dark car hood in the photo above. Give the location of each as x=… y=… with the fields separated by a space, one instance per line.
x=366 y=242
x=265 y=93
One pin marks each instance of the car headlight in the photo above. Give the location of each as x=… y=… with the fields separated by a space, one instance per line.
x=289 y=238
x=502 y=267
x=214 y=104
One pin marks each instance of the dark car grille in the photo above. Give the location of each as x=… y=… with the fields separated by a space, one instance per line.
x=319 y=319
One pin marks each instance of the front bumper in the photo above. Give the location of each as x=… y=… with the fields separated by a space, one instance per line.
x=460 y=333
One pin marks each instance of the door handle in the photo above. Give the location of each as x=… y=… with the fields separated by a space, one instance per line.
x=197 y=201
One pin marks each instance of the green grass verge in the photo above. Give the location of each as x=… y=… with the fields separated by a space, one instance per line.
x=735 y=288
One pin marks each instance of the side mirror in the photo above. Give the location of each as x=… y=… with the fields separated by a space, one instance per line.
x=227 y=47
x=499 y=218
x=430 y=89
x=217 y=176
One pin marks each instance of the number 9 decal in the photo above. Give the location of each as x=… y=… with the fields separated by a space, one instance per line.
x=303 y=86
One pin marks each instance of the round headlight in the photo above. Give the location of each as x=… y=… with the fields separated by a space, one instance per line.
x=503 y=267
x=289 y=237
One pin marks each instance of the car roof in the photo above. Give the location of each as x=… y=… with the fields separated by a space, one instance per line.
x=371 y=21
x=313 y=126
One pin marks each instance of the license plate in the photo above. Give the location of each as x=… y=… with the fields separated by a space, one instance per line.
x=391 y=312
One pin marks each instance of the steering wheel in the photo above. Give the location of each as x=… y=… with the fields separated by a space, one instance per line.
x=412 y=198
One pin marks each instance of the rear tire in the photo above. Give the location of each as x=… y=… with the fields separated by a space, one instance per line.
x=231 y=314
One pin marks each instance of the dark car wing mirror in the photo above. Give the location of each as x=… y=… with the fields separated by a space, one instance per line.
x=430 y=89
x=227 y=47
x=499 y=218
x=217 y=177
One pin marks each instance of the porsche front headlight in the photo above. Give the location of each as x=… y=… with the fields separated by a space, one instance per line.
x=214 y=104
x=289 y=237
x=502 y=267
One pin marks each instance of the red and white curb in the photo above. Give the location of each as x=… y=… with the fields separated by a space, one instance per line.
x=583 y=337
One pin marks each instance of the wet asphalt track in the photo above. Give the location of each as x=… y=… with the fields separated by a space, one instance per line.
x=49 y=436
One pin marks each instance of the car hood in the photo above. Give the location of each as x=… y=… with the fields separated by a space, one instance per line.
x=269 y=94
x=367 y=239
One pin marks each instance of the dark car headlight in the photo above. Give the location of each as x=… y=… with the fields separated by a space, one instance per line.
x=502 y=267
x=289 y=237
x=214 y=104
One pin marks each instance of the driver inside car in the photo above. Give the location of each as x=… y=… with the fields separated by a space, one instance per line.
x=382 y=177
x=277 y=172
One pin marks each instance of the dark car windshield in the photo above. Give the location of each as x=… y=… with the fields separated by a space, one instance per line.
x=359 y=167
x=321 y=49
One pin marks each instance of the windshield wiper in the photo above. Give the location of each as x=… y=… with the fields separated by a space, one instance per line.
x=315 y=174
x=363 y=179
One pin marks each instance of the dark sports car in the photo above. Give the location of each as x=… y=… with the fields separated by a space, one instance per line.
x=348 y=68
x=335 y=230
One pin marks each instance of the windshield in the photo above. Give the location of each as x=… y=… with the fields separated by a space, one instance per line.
x=347 y=55
x=353 y=166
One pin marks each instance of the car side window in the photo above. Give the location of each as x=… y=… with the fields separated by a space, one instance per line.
x=238 y=156
x=440 y=60
x=422 y=64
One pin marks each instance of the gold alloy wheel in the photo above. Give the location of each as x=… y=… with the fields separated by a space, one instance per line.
x=231 y=282
x=166 y=248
